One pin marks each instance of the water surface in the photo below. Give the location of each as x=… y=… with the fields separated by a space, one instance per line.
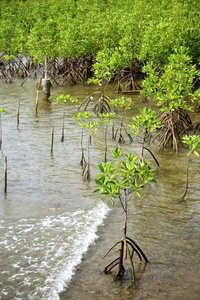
x=54 y=231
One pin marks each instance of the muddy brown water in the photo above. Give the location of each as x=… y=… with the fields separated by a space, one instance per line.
x=55 y=232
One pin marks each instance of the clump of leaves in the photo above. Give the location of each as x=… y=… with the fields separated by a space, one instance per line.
x=9 y=57
x=65 y=99
x=123 y=103
x=119 y=180
x=3 y=110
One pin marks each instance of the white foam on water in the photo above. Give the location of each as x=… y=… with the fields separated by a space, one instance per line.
x=41 y=255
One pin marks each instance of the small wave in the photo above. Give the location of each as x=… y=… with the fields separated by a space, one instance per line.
x=43 y=254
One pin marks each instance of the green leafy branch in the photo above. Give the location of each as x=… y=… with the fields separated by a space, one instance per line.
x=146 y=120
x=3 y=110
x=129 y=174
x=193 y=141
x=65 y=99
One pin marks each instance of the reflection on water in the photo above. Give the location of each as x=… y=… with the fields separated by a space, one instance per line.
x=49 y=216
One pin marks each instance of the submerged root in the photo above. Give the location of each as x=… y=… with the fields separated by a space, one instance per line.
x=111 y=265
x=121 y=139
x=86 y=171
x=129 y=80
x=83 y=161
x=124 y=250
x=102 y=105
x=152 y=156
x=174 y=123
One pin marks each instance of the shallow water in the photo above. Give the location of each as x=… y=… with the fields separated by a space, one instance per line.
x=54 y=231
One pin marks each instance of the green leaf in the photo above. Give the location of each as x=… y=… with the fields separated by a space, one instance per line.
x=97 y=191
x=3 y=110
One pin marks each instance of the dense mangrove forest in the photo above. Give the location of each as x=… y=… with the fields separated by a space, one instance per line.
x=121 y=36
x=126 y=75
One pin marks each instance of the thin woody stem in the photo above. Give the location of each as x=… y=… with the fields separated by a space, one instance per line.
x=187 y=171
x=106 y=143
x=143 y=138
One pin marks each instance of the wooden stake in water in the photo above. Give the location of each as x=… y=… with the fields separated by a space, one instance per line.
x=36 y=103
x=45 y=68
x=18 y=106
x=5 y=173
x=46 y=84
x=52 y=136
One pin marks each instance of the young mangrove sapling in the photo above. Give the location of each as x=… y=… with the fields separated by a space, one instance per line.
x=106 y=118
x=92 y=127
x=119 y=180
x=64 y=99
x=102 y=72
x=77 y=117
x=2 y=110
x=194 y=143
x=123 y=103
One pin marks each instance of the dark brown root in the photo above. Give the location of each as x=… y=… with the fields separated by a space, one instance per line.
x=121 y=139
x=174 y=123
x=111 y=265
x=129 y=80
x=125 y=242
x=102 y=104
x=152 y=156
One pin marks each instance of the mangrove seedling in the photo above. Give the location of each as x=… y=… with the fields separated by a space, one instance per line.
x=194 y=143
x=148 y=123
x=102 y=72
x=106 y=118
x=2 y=110
x=171 y=90
x=102 y=105
x=64 y=99
x=123 y=103
x=77 y=117
x=92 y=127
x=119 y=180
